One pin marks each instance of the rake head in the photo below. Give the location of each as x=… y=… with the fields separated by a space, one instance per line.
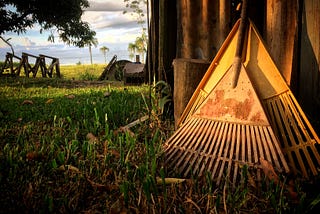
x=229 y=129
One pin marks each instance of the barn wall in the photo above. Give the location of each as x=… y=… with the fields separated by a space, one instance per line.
x=281 y=33
x=202 y=27
x=167 y=39
x=309 y=80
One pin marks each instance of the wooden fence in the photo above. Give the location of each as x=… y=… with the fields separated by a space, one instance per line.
x=23 y=62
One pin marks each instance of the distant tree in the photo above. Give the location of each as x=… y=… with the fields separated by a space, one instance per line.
x=90 y=43
x=132 y=47
x=140 y=44
x=62 y=17
x=135 y=7
x=104 y=50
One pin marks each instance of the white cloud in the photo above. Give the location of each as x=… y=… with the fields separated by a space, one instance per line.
x=106 y=6
x=27 y=42
x=112 y=36
x=18 y=41
x=114 y=30
x=116 y=20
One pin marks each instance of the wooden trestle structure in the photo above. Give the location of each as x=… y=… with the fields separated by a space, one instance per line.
x=14 y=69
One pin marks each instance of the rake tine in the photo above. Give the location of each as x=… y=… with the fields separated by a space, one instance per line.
x=255 y=149
x=190 y=143
x=199 y=153
x=268 y=146
x=215 y=145
x=265 y=144
x=241 y=131
x=293 y=121
x=291 y=138
x=315 y=153
x=268 y=142
x=276 y=145
x=283 y=114
x=293 y=114
x=310 y=162
x=185 y=134
x=258 y=138
x=211 y=141
x=183 y=130
x=234 y=142
x=226 y=138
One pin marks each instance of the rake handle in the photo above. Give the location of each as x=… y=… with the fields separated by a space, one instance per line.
x=240 y=43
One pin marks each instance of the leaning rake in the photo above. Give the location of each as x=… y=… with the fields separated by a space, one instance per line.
x=241 y=111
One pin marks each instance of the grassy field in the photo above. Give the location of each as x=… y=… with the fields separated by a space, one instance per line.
x=82 y=72
x=72 y=72
x=62 y=150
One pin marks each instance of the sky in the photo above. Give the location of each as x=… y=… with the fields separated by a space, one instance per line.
x=114 y=30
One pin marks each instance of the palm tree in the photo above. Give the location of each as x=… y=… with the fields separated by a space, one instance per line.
x=139 y=46
x=93 y=42
x=104 y=50
x=132 y=48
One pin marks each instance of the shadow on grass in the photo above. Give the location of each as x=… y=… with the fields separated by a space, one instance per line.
x=87 y=109
x=54 y=82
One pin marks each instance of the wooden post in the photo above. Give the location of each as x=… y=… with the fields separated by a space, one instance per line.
x=281 y=34
x=187 y=75
x=202 y=27
x=43 y=66
x=57 y=63
x=137 y=58
x=49 y=71
x=309 y=75
x=224 y=20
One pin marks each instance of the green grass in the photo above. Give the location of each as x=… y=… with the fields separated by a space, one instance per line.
x=44 y=125
x=61 y=151
x=82 y=72
x=72 y=72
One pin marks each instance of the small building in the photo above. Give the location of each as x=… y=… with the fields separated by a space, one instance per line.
x=134 y=73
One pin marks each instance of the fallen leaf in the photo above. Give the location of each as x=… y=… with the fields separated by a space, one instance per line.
x=33 y=155
x=269 y=170
x=170 y=180
x=292 y=193
x=30 y=189
x=189 y=200
x=70 y=96
x=27 y=102
x=115 y=153
x=108 y=172
x=49 y=101
x=272 y=175
x=107 y=94
x=91 y=138
x=102 y=187
x=105 y=147
x=29 y=192
x=118 y=207
x=69 y=168
x=124 y=130
x=251 y=180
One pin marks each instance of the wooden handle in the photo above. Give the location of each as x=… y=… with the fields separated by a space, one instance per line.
x=240 y=43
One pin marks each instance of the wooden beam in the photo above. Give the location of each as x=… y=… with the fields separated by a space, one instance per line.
x=281 y=34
